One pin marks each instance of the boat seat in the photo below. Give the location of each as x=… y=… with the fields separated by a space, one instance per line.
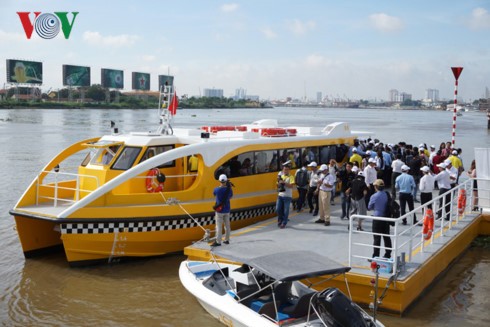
x=300 y=309
x=269 y=310
x=281 y=292
x=219 y=282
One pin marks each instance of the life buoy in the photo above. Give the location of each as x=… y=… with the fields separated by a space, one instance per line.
x=154 y=181
x=428 y=224
x=461 y=201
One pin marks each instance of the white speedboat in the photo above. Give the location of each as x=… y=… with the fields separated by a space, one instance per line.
x=271 y=290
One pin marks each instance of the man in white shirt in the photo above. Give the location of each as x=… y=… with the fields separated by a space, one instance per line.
x=396 y=165
x=326 y=185
x=443 y=180
x=370 y=176
x=426 y=186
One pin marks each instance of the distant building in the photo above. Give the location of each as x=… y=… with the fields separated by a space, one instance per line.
x=319 y=97
x=240 y=94
x=404 y=96
x=432 y=94
x=213 y=93
x=393 y=96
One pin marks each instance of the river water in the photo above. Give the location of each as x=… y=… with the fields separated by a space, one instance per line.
x=46 y=292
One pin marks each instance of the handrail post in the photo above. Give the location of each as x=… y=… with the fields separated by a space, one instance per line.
x=410 y=242
x=77 y=189
x=395 y=248
x=350 y=240
x=56 y=189
x=37 y=190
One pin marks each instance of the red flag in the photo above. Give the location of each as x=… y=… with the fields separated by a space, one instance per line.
x=457 y=71
x=174 y=103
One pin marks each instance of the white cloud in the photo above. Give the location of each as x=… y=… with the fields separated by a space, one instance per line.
x=6 y=36
x=268 y=33
x=316 y=60
x=149 y=58
x=479 y=19
x=95 y=38
x=386 y=23
x=299 y=28
x=229 y=7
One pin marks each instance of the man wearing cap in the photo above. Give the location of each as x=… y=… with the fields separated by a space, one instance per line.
x=456 y=162
x=356 y=158
x=314 y=176
x=405 y=185
x=285 y=183
x=396 y=166
x=357 y=191
x=443 y=180
x=426 y=186
x=223 y=194
x=379 y=203
x=453 y=173
x=326 y=184
x=301 y=180
x=432 y=154
x=370 y=175
x=346 y=176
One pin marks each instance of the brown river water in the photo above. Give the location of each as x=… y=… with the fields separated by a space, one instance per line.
x=147 y=292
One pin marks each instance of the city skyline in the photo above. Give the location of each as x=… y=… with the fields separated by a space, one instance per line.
x=356 y=50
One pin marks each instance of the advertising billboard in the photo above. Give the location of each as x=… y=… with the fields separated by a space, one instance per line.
x=141 y=81
x=76 y=75
x=24 y=72
x=165 y=80
x=112 y=78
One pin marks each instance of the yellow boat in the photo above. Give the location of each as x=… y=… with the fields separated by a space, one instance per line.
x=149 y=194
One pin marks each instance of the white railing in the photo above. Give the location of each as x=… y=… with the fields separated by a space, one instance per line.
x=52 y=179
x=410 y=239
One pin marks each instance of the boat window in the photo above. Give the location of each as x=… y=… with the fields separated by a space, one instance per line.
x=263 y=160
x=127 y=157
x=334 y=151
x=87 y=159
x=291 y=155
x=156 y=150
x=312 y=154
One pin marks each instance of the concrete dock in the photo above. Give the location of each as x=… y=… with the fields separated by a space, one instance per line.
x=426 y=260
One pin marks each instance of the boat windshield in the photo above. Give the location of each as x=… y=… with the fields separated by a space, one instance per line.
x=101 y=153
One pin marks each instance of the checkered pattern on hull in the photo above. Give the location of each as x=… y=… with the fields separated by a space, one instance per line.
x=158 y=225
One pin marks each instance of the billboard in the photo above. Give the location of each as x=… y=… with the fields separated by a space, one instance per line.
x=112 y=78
x=141 y=81
x=76 y=75
x=24 y=72
x=165 y=80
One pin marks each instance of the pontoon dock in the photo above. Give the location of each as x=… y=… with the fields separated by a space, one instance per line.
x=425 y=260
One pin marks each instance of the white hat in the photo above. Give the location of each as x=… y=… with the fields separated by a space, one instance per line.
x=425 y=169
x=354 y=150
x=405 y=168
x=287 y=163
x=222 y=178
x=372 y=160
x=360 y=173
x=368 y=152
x=421 y=145
x=312 y=164
x=421 y=148
x=323 y=167
x=442 y=165
x=355 y=169
x=432 y=146
x=454 y=152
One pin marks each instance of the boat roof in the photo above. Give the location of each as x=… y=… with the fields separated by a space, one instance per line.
x=289 y=265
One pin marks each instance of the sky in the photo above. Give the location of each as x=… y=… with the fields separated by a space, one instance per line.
x=359 y=49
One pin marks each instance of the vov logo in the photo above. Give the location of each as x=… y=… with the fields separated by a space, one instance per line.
x=47 y=25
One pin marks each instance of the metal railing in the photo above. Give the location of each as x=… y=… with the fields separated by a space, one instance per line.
x=410 y=239
x=52 y=179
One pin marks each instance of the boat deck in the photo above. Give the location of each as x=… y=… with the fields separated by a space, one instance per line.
x=421 y=269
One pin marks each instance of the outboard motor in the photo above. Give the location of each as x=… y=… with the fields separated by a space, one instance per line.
x=337 y=310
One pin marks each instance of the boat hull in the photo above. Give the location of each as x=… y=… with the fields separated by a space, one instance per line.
x=90 y=241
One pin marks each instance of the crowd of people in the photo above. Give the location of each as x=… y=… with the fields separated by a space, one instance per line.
x=411 y=174
x=371 y=168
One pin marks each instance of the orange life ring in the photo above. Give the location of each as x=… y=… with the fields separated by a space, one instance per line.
x=428 y=224
x=152 y=183
x=461 y=201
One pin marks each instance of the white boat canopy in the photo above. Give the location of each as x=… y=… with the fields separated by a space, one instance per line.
x=283 y=265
